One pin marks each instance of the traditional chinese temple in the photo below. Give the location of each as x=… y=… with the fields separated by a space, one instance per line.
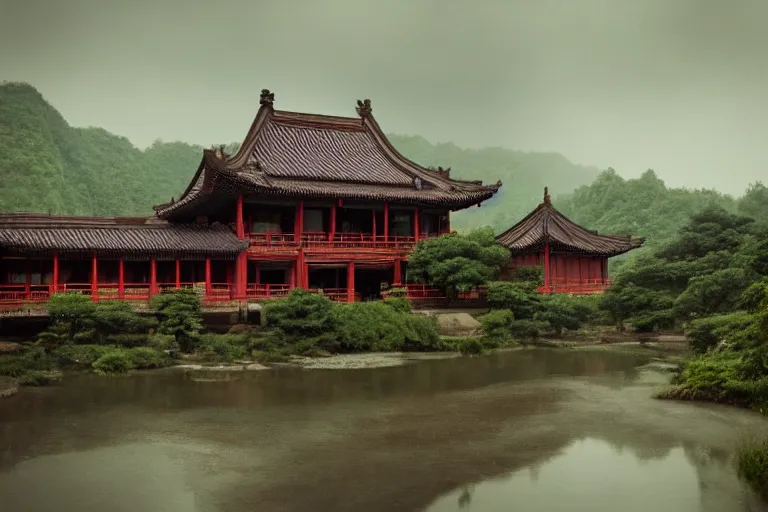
x=574 y=259
x=319 y=202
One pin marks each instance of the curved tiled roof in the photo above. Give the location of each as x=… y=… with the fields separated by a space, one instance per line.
x=134 y=237
x=546 y=225
x=330 y=157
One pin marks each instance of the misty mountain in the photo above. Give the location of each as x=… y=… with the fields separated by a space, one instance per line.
x=49 y=166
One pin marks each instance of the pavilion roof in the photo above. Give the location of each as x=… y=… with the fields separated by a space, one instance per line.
x=139 y=238
x=289 y=154
x=546 y=225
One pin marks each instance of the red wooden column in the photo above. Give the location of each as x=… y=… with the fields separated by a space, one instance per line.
x=94 y=279
x=398 y=272
x=121 y=279
x=292 y=275
x=28 y=279
x=258 y=272
x=152 y=277
x=55 y=287
x=298 y=228
x=416 y=224
x=239 y=219
x=546 y=268
x=386 y=222
x=241 y=276
x=351 y=281
x=332 y=225
x=208 y=276
x=604 y=270
x=374 y=228
x=178 y=273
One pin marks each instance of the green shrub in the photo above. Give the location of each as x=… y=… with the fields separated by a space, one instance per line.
x=301 y=314
x=180 y=315
x=497 y=324
x=532 y=275
x=35 y=359
x=81 y=355
x=470 y=346
x=527 y=329
x=117 y=322
x=421 y=334
x=72 y=309
x=706 y=333
x=146 y=358
x=223 y=347
x=399 y=304
x=520 y=298
x=752 y=463
x=40 y=378
x=114 y=361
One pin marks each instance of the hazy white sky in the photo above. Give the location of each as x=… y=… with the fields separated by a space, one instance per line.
x=680 y=86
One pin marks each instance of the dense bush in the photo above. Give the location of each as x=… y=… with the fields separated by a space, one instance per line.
x=35 y=359
x=73 y=310
x=223 y=347
x=301 y=314
x=471 y=346
x=180 y=314
x=117 y=322
x=145 y=358
x=497 y=324
x=519 y=297
x=706 y=333
x=113 y=361
x=752 y=464
x=84 y=355
x=399 y=304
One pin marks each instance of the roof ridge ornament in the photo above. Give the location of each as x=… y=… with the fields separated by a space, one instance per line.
x=547 y=199
x=364 y=108
x=267 y=99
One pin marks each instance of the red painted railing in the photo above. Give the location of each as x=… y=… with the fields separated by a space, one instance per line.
x=220 y=292
x=340 y=240
x=576 y=286
x=335 y=294
x=267 y=291
x=422 y=291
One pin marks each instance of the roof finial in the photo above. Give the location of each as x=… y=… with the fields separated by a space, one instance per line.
x=547 y=200
x=267 y=98
x=364 y=108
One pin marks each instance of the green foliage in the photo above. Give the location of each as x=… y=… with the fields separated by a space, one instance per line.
x=301 y=314
x=471 y=346
x=399 y=304
x=563 y=312
x=34 y=359
x=117 y=322
x=180 y=316
x=148 y=358
x=80 y=355
x=73 y=310
x=497 y=324
x=752 y=464
x=457 y=262
x=713 y=293
x=223 y=347
x=519 y=297
x=706 y=333
x=534 y=275
x=113 y=362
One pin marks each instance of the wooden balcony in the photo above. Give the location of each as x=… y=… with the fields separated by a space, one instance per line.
x=337 y=240
x=576 y=286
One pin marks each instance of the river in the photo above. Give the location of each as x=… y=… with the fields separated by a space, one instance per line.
x=528 y=430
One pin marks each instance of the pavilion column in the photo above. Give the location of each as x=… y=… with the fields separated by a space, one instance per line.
x=28 y=279
x=332 y=225
x=121 y=278
x=397 y=273
x=239 y=220
x=241 y=276
x=292 y=275
x=152 y=276
x=299 y=227
x=604 y=270
x=351 y=281
x=386 y=221
x=208 y=276
x=257 y=275
x=416 y=224
x=178 y=273
x=546 y=268
x=55 y=287
x=374 y=228
x=94 y=279
x=448 y=222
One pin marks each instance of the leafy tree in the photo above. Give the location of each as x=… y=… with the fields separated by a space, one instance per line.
x=301 y=314
x=457 y=262
x=180 y=316
x=518 y=297
x=70 y=313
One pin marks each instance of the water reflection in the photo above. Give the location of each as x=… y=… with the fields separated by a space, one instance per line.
x=591 y=474
x=376 y=440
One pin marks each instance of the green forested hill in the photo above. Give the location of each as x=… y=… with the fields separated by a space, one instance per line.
x=48 y=166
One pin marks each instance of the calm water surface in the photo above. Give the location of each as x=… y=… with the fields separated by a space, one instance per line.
x=532 y=430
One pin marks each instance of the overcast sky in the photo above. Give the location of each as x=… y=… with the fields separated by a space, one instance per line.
x=680 y=86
